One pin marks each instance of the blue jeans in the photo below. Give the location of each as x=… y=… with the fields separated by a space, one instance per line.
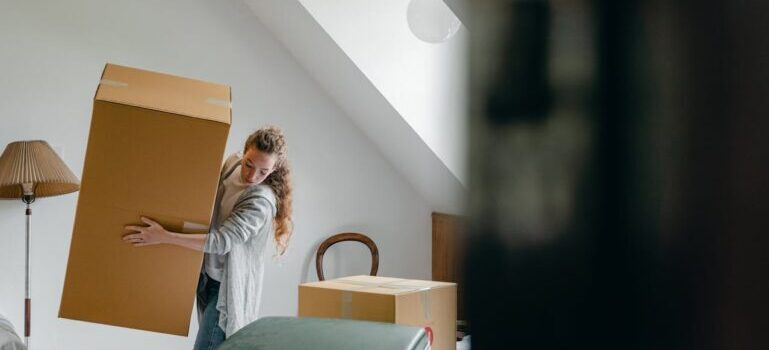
x=210 y=335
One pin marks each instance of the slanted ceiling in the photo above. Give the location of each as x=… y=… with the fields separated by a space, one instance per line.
x=358 y=97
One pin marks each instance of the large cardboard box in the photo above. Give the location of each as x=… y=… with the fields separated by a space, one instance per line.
x=155 y=149
x=394 y=300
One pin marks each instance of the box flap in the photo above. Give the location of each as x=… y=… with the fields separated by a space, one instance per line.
x=378 y=285
x=166 y=93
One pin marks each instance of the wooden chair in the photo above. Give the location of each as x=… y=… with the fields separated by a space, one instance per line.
x=342 y=237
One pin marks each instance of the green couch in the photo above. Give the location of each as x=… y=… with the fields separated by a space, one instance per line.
x=292 y=333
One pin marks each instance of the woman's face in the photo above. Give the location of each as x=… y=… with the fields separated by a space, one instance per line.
x=256 y=166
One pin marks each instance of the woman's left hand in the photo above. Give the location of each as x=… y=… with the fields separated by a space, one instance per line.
x=151 y=234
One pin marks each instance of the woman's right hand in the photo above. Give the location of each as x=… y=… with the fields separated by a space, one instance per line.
x=151 y=234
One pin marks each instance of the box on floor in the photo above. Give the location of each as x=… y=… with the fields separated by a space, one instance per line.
x=426 y=304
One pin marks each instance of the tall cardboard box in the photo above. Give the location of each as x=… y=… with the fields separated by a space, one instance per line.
x=383 y=299
x=155 y=149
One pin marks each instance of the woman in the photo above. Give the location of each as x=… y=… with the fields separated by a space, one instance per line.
x=254 y=197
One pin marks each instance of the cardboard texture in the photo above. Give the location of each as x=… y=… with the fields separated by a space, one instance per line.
x=383 y=299
x=155 y=149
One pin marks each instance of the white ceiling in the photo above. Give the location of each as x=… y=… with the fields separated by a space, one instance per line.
x=431 y=167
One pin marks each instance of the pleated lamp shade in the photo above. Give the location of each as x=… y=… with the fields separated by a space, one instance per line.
x=36 y=164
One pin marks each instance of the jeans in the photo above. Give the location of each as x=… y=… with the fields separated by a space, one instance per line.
x=210 y=335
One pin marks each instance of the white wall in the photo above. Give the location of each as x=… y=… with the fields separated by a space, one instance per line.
x=424 y=82
x=51 y=56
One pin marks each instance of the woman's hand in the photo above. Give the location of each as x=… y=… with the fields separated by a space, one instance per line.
x=151 y=234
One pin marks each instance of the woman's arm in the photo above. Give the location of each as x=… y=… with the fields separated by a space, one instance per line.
x=154 y=233
x=244 y=221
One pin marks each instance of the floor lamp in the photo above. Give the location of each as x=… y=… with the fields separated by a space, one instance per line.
x=30 y=169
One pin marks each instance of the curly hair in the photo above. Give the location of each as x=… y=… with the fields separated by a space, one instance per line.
x=271 y=140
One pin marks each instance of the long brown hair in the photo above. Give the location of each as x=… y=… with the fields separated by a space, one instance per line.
x=270 y=140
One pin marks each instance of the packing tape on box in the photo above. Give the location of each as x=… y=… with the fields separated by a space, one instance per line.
x=346 y=305
x=114 y=83
x=388 y=285
x=359 y=283
x=424 y=294
x=219 y=102
x=211 y=100
x=426 y=305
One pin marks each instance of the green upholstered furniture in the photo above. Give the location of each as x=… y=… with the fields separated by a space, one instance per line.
x=292 y=333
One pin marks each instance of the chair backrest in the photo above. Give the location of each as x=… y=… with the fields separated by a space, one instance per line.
x=342 y=237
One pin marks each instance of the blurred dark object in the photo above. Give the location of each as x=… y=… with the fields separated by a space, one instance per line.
x=620 y=185
x=520 y=90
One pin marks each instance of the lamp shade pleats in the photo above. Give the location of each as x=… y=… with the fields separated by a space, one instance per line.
x=35 y=163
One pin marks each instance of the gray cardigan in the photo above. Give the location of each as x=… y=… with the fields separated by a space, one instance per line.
x=243 y=238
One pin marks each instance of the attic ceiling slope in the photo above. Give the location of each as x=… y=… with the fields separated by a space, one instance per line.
x=315 y=50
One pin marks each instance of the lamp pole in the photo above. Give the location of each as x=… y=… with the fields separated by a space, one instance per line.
x=28 y=198
x=31 y=169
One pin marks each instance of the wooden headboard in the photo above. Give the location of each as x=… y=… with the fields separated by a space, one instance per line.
x=448 y=231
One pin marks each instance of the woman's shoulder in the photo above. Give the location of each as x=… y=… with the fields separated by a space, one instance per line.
x=263 y=192
x=231 y=160
x=230 y=163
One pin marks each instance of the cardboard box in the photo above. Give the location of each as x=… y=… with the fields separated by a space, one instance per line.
x=393 y=300
x=155 y=149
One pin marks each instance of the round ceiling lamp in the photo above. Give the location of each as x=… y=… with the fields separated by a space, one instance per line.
x=432 y=21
